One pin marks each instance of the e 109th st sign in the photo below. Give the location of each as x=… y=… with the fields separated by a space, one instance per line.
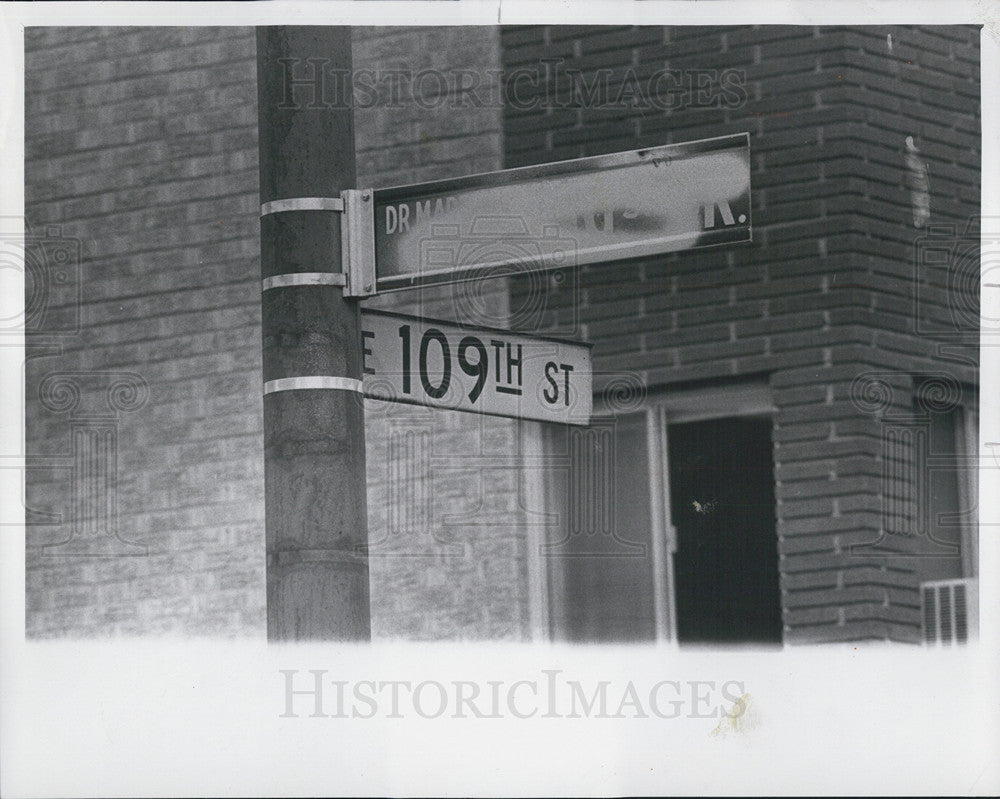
x=421 y=361
x=588 y=210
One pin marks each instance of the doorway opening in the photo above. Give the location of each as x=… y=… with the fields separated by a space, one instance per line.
x=726 y=586
x=665 y=523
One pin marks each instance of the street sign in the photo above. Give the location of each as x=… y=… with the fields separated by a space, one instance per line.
x=582 y=211
x=421 y=361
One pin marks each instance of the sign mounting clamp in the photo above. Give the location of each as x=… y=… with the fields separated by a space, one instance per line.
x=357 y=226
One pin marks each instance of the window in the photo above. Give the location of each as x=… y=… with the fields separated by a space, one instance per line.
x=945 y=448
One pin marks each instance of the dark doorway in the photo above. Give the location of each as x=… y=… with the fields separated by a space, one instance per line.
x=722 y=504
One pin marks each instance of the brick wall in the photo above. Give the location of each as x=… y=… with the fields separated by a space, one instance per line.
x=141 y=145
x=826 y=290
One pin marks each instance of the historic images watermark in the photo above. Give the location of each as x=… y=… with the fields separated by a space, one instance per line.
x=949 y=261
x=318 y=693
x=927 y=420
x=40 y=293
x=925 y=433
x=541 y=292
x=93 y=402
x=47 y=263
x=85 y=522
x=315 y=83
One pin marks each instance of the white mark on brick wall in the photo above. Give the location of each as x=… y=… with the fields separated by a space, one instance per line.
x=918 y=179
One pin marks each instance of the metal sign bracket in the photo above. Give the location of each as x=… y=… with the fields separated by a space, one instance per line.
x=357 y=241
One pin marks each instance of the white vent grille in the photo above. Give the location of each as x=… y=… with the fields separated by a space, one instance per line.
x=950 y=611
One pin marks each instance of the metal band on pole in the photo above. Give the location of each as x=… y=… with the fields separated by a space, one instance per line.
x=302 y=204
x=338 y=557
x=304 y=279
x=313 y=382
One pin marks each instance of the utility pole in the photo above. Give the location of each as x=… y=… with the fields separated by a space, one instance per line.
x=314 y=435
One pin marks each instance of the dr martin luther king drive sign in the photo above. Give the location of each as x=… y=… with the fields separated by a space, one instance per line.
x=588 y=210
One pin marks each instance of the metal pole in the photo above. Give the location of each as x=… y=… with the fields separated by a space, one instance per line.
x=314 y=438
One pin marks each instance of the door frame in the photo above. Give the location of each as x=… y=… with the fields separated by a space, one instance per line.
x=662 y=408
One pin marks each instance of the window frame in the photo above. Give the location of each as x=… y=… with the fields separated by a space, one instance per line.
x=967 y=456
